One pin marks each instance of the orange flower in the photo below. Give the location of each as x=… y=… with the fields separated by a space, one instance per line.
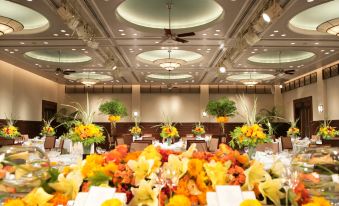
x=59 y=199
x=194 y=167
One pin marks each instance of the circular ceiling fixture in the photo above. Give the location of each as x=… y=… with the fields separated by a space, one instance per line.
x=30 y=20
x=331 y=27
x=280 y=57
x=181 y=56
x=164 y=76
x=169 y=63
x=57 y=56
x=153 y=14
x=307 y=21
x=88 y=78
x=8 y=25
x=250 y=78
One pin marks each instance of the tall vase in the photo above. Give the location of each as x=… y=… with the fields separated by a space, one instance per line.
x=86 y=150
x=250 y=150
x=168 y=141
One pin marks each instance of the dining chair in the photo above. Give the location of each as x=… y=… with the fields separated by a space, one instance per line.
x=120 y=140
x=273 y=146
x=61 y=146
x=147 y=135
x=49 y=143
x=200 y=145
x=6 y=142
x=127 y=139
x=190 y=135
x=286 y=143
x=148 y=138
x=139 y=145
x=213 y=145
x=25 y=137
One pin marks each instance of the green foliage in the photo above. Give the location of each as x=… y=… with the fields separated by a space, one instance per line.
x=99 y=178
x=221 y=107
x=53 y=177
x=113 y=107
x=271 y=115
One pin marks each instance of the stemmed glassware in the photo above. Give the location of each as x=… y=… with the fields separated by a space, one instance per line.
x=289 y=178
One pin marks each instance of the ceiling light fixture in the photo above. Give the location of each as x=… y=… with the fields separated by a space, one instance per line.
x=222 y=69
x=330 y=27
x=8 y=25
x=169 y=63
x=250 y=83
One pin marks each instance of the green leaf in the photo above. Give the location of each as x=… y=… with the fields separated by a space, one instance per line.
x=53 y=173
x=221 y=107
x=113 y=107
x=99 y=178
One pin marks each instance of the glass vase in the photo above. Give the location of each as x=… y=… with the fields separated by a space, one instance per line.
x=250 y=150
x=168 y=141
x=86 y=150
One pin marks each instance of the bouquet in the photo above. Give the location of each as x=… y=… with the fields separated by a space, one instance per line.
x=114 y=109
x=168 y=130
x=250 y=134
x=84 y=130
x=47 y=129
x=9 y=131
x=293 y=130
x=199 y=129
x=135 y=131
x=326 y=131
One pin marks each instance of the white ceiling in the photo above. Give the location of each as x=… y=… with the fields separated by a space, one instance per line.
x=212 y=43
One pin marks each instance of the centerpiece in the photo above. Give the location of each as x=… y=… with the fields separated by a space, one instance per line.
x=115 y=110
x=47 y=130
x=198 y=130
x=9 y=131
x=83 y=130
x=250 y=134
x=135 y=130
x=293 y=131
x=168 y=132
x=222 y=109
x=326 y=131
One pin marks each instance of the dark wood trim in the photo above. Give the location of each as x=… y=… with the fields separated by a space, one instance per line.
x=300 y=104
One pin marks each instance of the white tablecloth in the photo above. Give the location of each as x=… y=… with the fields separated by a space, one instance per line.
x=268 y=160
x=177 y=146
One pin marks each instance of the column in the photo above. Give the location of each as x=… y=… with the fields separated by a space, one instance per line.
x=135 y=100
x=204 y=98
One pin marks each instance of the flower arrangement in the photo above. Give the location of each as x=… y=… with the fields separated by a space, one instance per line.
x=136 y=130
x=9 y=131
x=193 y=174
x=293 y=130
x=250 y=134
x=114 y=109
x=222 y=109
x=199 y=129
x=169 y=131
x=47 y=129
x=326 y=131
x=84 y=131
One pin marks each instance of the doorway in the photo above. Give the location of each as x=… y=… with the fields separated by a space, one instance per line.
x=303 y=112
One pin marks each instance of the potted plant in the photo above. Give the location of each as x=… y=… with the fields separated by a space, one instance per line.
x=115 y=110
x=222 y=109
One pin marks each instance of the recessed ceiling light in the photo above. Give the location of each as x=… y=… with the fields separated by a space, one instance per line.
x=74 y=49
x=199 y=49
x=16 y=50
x=239 y=64
x=222 y=69
x=255 y=49
x=12 y=52
x=67 y=34
x=22 y=42
x=208 y=49
x=280 y=86
x=218 y=30
x=140 y=49
x=121 y=30
x=117 y=81
x=204 y=34
x=62 y=30
x=298 y=66
x=322 y=50
x=275 y=31
x=6 y=50
x=266 y=17
x=55 y=34
x=123 y=34
x=271 y=34
x=86 y=52
x=135 y=34
x=156 y=42
x=332 y=50
x=45 y=42
x=36 y=64
x=29 y=0
x=283 y=35
x=291 y=66
x=83 y=49
x=326 y=53
x=253 y=52
x=216 y=34
x=265 y=49
x=316 y=43
x=130 y=49
x=292 y=43
x=309 y=1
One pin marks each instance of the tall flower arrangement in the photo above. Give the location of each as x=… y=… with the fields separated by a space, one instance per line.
x=293 y=131
x=115 y=110
x=84 y=131
x=47 y=130
x=222 y=109
x=168 y=131
x=251 y=133
x=326 y=131
x=136 y=130
x=198 y=129
x=9 y=131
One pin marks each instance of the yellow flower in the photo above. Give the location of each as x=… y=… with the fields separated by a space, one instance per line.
x=93 y=164
x=318 y=201
x=194 y=167
x=69 y=185
x=112 y=202
x=271 y=189
x=179 y=200
x=222 y=119
x=255 y=175
x=151 y=153
x=175 y=168
x=114 y=118
x=14 y=202
x=37 y=197
x=250 y=203
x=217 y=172
x=145 y=194
x=142 y=168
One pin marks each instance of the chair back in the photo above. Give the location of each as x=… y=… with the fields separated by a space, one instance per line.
x=139 y=145
x=127 y=139
x=200 y=145
x=286 y=143
x=274 y=146
x=25 y=137
x=213 y=145
x=61 y=146
x=190 y=135
x=6 y=142
x=148 y=138
x=49 y=142
x=147 y=135
x=120 y=140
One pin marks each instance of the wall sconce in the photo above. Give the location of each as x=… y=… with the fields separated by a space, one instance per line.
x=135 y=114
x=320 y=108
x=204 y=114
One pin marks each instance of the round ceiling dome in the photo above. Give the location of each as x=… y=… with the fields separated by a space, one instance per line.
x=56 y=56
x=307 y=21
x=32 y=21
x=277 y=57
x=150 y=57
x=250 y=76
x=166 y=76
x=88 y=76
x=185 y=14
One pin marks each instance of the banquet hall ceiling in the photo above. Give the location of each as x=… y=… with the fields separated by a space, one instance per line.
x=129 y=34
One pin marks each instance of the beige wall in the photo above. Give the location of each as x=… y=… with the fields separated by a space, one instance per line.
x=21 y=93
x=332 y=107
